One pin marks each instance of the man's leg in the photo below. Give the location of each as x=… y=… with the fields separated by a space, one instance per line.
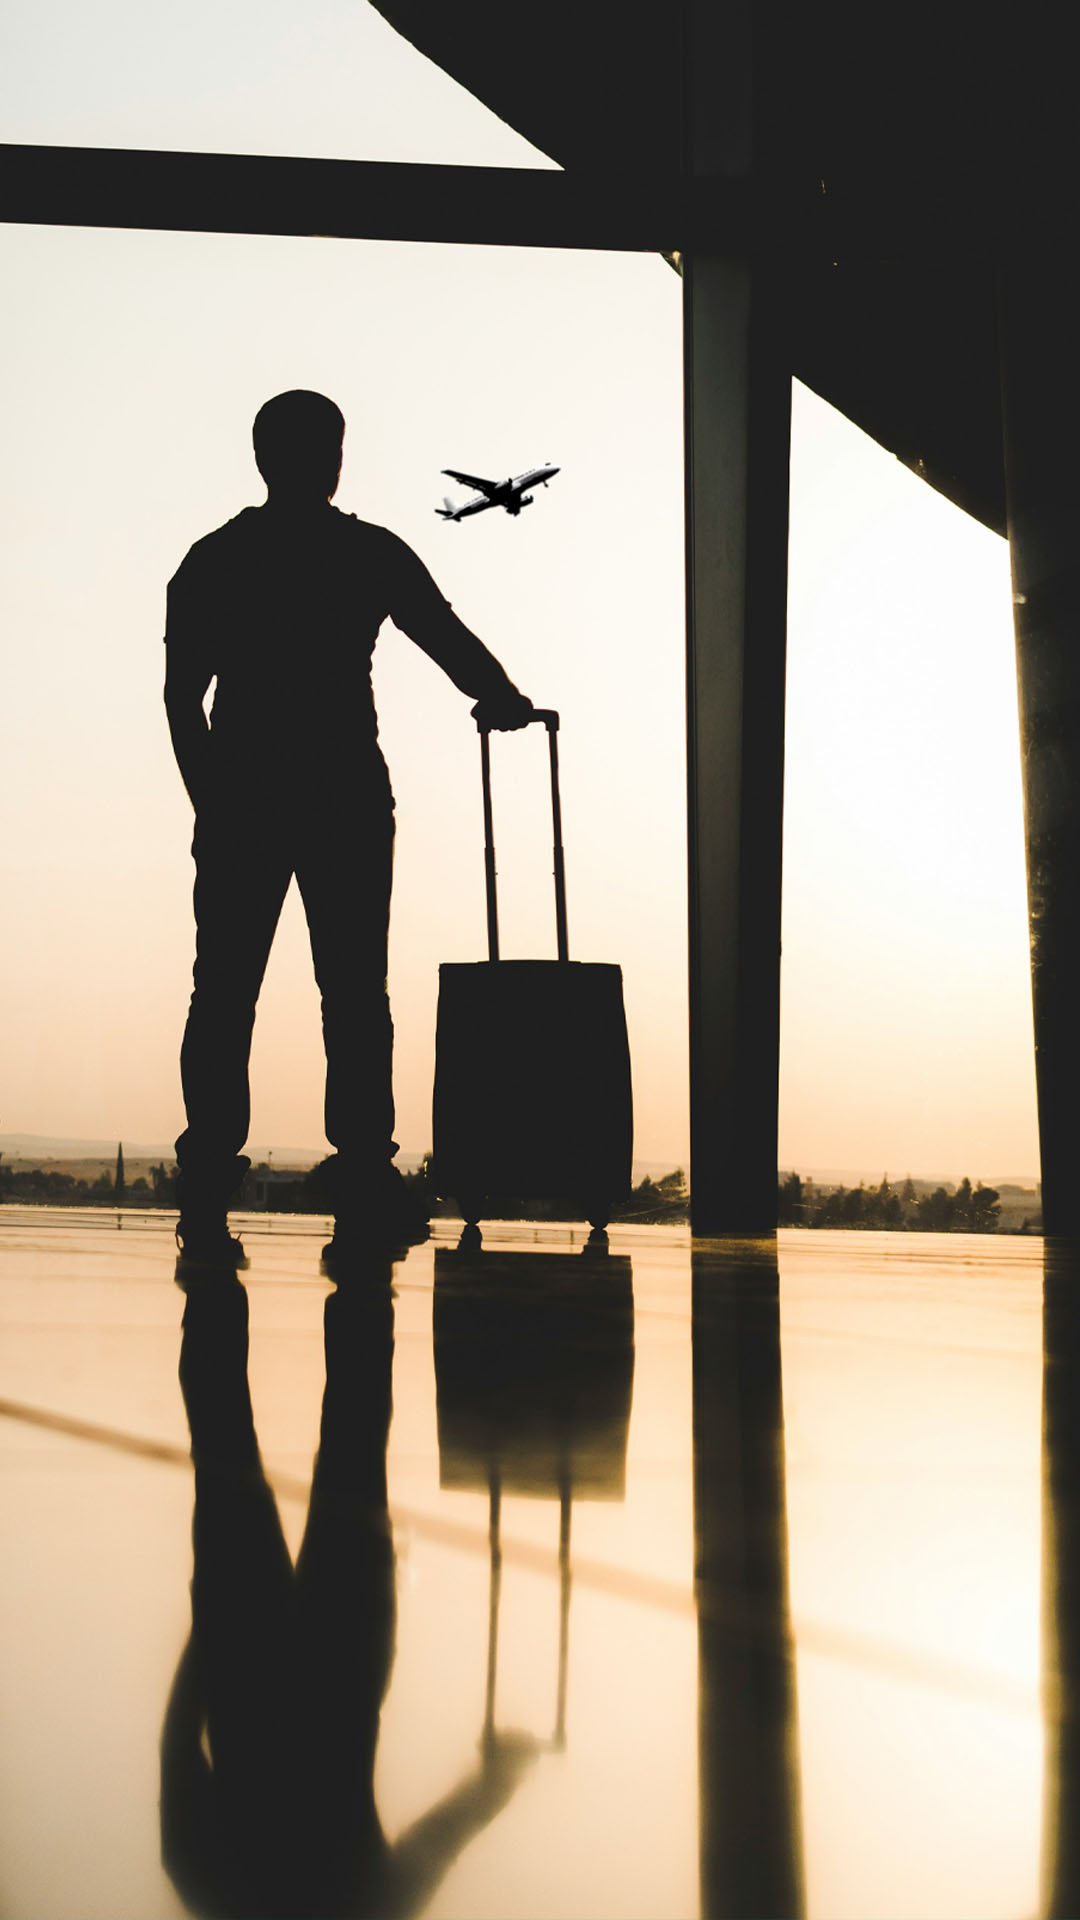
x=345 y=886
x=239 y=890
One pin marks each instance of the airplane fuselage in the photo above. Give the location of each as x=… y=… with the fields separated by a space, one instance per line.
x=511 y=494
x=536 y=477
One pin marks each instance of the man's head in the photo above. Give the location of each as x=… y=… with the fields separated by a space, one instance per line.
x=298 y=439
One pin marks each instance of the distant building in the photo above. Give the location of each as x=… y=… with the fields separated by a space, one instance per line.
x=269 y=1189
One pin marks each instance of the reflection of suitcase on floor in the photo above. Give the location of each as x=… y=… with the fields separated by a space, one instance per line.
x=532 y=1064
x=534 y=1371
x=534 y=1382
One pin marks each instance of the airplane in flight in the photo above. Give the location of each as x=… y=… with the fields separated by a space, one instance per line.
x=512 y=494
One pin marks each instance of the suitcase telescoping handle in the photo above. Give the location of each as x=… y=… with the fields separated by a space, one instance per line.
x=550 y=720
x=557 y=1743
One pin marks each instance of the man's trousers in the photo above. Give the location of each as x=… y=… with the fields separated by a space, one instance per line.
x=343 y=866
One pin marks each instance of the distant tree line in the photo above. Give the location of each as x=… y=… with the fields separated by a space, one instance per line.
x=968 y=1209
x=650 y=1202
x=653 y=1202
x=45 y=1186
x=800 y=1203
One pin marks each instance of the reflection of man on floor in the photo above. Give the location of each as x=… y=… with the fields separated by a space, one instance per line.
x=269 y=1743
x=282 y=606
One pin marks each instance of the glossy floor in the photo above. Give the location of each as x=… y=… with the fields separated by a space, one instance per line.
x=727 y=1579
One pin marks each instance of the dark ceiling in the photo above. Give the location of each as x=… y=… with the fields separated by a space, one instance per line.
x=934 y=135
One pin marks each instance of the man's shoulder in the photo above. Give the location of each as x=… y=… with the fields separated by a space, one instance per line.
x=369 y=537
x=250 y=536
x=216 y=548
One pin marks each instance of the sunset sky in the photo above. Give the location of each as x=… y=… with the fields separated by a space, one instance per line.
x=132 y=367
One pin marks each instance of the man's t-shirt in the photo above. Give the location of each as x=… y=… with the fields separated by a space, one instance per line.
x=284 y=608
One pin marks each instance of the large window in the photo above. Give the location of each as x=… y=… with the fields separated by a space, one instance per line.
x=135 y=363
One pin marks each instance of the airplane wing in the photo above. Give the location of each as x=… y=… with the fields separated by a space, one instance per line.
x=471 y=480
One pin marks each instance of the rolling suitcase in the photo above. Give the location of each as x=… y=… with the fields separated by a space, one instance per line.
x=532 y=1064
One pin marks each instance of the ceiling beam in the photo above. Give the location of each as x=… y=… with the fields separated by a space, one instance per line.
x=346 y=199
x=616 y=211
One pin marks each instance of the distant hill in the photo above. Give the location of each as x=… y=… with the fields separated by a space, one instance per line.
x=48 y=1146
x=39 y=1148
x=851 y=1177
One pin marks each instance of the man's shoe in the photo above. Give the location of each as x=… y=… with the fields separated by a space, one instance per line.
x=203 y=1190
x=379 y=1214
x=399 y=1212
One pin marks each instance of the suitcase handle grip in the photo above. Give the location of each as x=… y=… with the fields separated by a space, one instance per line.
x=550 y=719
x=546 y=715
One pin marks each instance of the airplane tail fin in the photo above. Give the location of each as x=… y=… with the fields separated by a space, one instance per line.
x=447 y=511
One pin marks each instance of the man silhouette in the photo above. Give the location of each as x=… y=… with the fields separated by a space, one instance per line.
x=282 y=606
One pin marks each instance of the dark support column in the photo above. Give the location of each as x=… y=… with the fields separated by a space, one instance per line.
x=738 y=414
x=738 y=423
x=1041 y=410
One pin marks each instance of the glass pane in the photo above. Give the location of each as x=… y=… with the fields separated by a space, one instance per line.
x=133 y=370
x=906 y=989
x=327 y=79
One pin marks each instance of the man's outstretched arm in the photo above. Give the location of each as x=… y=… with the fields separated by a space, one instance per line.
x=420 y=610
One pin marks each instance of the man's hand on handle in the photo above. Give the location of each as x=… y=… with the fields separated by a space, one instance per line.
x=504 y=712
